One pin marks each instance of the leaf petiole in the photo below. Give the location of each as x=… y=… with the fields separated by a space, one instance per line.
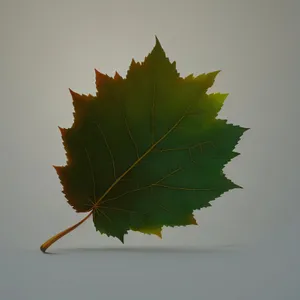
x=59 y=235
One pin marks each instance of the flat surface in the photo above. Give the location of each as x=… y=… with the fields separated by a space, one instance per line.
x=270 y=270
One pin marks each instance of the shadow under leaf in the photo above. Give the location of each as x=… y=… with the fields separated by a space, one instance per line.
x=144 y=249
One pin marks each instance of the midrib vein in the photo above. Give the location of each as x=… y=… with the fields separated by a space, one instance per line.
x=139 y=159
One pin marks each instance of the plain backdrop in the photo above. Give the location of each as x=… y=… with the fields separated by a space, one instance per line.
x=246 y=245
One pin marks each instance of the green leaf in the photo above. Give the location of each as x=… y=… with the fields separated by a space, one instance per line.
x=147 y=150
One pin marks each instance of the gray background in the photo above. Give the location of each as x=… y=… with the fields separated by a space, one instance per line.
x=246 y=245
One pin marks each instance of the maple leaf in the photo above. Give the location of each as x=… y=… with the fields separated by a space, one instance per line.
x=147 y=150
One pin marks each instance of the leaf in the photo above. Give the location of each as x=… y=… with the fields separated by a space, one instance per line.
x=147 y=150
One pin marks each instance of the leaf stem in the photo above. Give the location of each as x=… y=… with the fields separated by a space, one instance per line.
x=59 y=235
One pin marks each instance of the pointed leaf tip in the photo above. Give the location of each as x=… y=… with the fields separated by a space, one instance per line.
x=133 y=63
x=101 y=78
x=158 y=45
x=157 y=51
x=158 y=234
x=208 y=79
x=157 y=42
x=63 y=131
x=193 y=220
x=58 y=169
x=189 y=77
x=73 y=94
x=132 y=68
x=213 y=75
x=99 y=74
x=117 y=76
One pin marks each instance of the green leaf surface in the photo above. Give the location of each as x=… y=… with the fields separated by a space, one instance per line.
x=147 y=150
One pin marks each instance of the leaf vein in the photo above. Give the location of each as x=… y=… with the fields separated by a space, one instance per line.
x=92 y=174
x=144 y=155
x=108 y=148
